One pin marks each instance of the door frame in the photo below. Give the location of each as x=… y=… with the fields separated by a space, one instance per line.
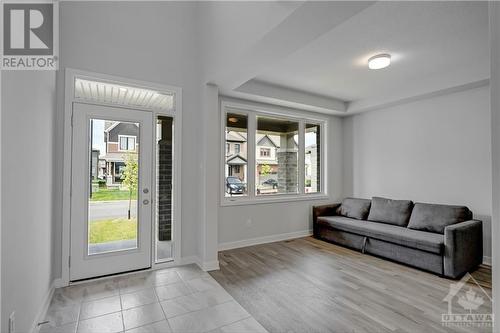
x=176 y=114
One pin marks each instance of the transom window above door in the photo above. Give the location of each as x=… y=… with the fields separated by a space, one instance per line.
x=121 y=95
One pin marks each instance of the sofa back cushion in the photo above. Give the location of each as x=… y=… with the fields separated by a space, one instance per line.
x=434 y=218
x=396 y=212
x=354 y=208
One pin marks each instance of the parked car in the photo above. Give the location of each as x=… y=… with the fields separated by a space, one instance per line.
x=271 y=182
x=267 y=187
x=234 y=185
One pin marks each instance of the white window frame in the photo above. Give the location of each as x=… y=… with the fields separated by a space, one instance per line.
x=321 y=144
x=252 y=111
x=128 y=137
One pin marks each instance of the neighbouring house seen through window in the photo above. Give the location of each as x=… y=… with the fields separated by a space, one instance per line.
x=127 y=143
x=312 y=158
x=272 y=155
x=235 y=169
x=279 y=174
x=265 y=152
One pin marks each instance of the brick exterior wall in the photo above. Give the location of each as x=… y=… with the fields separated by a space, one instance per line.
x=287 y=171
x=164 y=183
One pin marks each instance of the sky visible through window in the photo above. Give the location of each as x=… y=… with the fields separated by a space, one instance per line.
x=98 y=136
x=310 y=139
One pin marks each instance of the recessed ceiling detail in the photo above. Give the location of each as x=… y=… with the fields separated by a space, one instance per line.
x=111 y=93
x=432 y=44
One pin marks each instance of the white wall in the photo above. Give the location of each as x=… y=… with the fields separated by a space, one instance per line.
x=28 y=110
x=249 y=22
x=152 y=41
x=494 y=15
x=271 y=220
x=436 y=150
x=0 y=204
x=210 y=151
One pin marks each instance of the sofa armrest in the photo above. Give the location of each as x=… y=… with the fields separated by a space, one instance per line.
x=324 y=210
x=463 y=244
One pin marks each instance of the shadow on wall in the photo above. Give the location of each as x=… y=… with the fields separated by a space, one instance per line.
x=486 y=234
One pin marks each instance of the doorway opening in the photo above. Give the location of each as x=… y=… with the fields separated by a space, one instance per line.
x=123 y=200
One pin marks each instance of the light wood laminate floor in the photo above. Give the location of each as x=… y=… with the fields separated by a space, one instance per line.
x=307 y=285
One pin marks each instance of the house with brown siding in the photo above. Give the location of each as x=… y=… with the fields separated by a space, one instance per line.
x=121 y=138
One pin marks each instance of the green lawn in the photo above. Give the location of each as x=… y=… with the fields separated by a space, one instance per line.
x=107 y=195
x=102 y=231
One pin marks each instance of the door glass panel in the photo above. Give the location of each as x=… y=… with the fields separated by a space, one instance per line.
x=164 y=164
x=113 y=185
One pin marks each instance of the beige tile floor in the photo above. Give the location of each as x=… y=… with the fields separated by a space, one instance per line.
x=179 y=299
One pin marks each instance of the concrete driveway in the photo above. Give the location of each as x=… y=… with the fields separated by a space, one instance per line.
x=100 y=210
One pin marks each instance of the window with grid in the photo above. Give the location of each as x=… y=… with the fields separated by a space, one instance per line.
x=283 y=155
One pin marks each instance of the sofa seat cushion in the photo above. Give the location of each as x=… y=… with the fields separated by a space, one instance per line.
x=354 y=208
x=390 y=211
x=434 y=218
x=425 y=241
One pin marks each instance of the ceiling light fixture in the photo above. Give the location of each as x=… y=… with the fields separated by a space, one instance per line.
x=232 y=120
x=379 y=61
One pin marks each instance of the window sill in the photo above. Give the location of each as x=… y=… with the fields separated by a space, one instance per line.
x=241 y=201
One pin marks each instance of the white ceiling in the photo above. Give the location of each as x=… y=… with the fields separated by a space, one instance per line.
x=431 y=43
x=434 y=46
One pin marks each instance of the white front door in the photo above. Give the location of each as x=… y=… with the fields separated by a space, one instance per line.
x=111 y=214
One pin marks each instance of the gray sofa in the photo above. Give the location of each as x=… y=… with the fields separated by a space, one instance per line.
x=442 y=239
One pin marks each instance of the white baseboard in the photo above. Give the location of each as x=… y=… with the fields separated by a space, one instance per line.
x=42 y=313
x=205 y=266
x=487 y=261
x=208 y=266
x=264 y=240
x=189 y=260
x=59 y=283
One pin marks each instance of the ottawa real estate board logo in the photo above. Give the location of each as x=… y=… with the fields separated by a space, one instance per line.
x=469 y=305
x=30 y=39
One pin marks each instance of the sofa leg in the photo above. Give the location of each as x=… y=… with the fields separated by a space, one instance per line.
x=364 y=245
